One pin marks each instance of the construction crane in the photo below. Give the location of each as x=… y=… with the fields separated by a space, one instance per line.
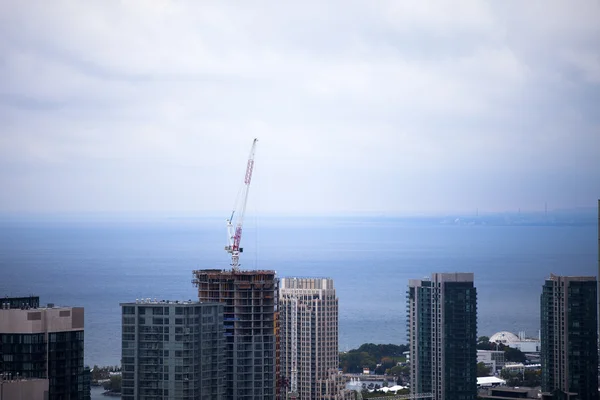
x=234 y=236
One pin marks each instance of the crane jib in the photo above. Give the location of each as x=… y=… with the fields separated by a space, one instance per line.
x=249 y=172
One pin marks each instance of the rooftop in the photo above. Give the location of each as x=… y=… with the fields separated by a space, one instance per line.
x=149 y=300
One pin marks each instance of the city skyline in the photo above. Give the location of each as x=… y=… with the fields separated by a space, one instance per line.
x=359 y=107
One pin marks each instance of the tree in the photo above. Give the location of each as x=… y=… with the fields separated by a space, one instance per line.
x=482 y=370
x=514 y=355
x=385 y=364
x=114 y=385
x=530 y=378
x=399 y=370
x=369 y=355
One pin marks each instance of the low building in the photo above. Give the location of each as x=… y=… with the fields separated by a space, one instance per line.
x=528 y=346
x=514 y=367
x=505 y=393
x=559 y=395
x=492 y=359
x=489 y=381
x=520 y=342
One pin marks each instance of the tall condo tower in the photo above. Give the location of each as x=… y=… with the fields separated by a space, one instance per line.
x=172 y=350
x=569 y=336
x=250 y=304
x=44 y=343
x=442 y=331
x=308 y=311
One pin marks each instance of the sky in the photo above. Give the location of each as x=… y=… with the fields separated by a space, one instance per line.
x=359 y=106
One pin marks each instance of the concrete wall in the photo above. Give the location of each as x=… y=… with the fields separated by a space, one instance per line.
x=59 y=319
x=527 y=346
x=26 y=389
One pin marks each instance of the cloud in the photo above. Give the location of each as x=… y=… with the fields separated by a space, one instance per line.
x=358 y=106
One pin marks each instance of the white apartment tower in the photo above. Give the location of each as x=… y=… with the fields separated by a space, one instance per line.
x=309 y=339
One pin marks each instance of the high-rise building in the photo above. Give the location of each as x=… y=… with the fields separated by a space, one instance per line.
x=308 y=312
x=569 y=350
x=172 y=350
x=45 y=343
x=249 y=299
x=442 y=332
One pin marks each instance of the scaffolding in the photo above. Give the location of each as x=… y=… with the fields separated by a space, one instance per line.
x=249 y=314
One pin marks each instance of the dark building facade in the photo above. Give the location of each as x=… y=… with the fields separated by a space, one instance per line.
x=172 y=350
x=45 y=343
x=442 y=331
x=250 y=314
x=569 y=348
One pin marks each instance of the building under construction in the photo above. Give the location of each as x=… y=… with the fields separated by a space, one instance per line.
x=309 y=339
x=250 y=306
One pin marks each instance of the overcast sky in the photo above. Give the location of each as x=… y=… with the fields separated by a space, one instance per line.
x=374 y=106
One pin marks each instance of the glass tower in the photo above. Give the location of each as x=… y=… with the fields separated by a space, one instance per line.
x=442 y=331
x=569 y=348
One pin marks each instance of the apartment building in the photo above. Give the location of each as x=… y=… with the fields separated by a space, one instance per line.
x=44 y=343
x=308 y=311
x=442 y=331
x=172 y=350
x=569 y=345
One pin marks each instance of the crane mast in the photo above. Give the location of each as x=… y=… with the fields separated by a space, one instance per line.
x=293 y=394
x=234 y=236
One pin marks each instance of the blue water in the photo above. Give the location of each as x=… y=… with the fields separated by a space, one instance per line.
x=98 y=263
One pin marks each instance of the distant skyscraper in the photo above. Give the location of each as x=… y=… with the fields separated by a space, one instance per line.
x=45 y=343
x=570 y=336
x=172 y=350
x=442 y=331
x=249 y=300
x=313 y=305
